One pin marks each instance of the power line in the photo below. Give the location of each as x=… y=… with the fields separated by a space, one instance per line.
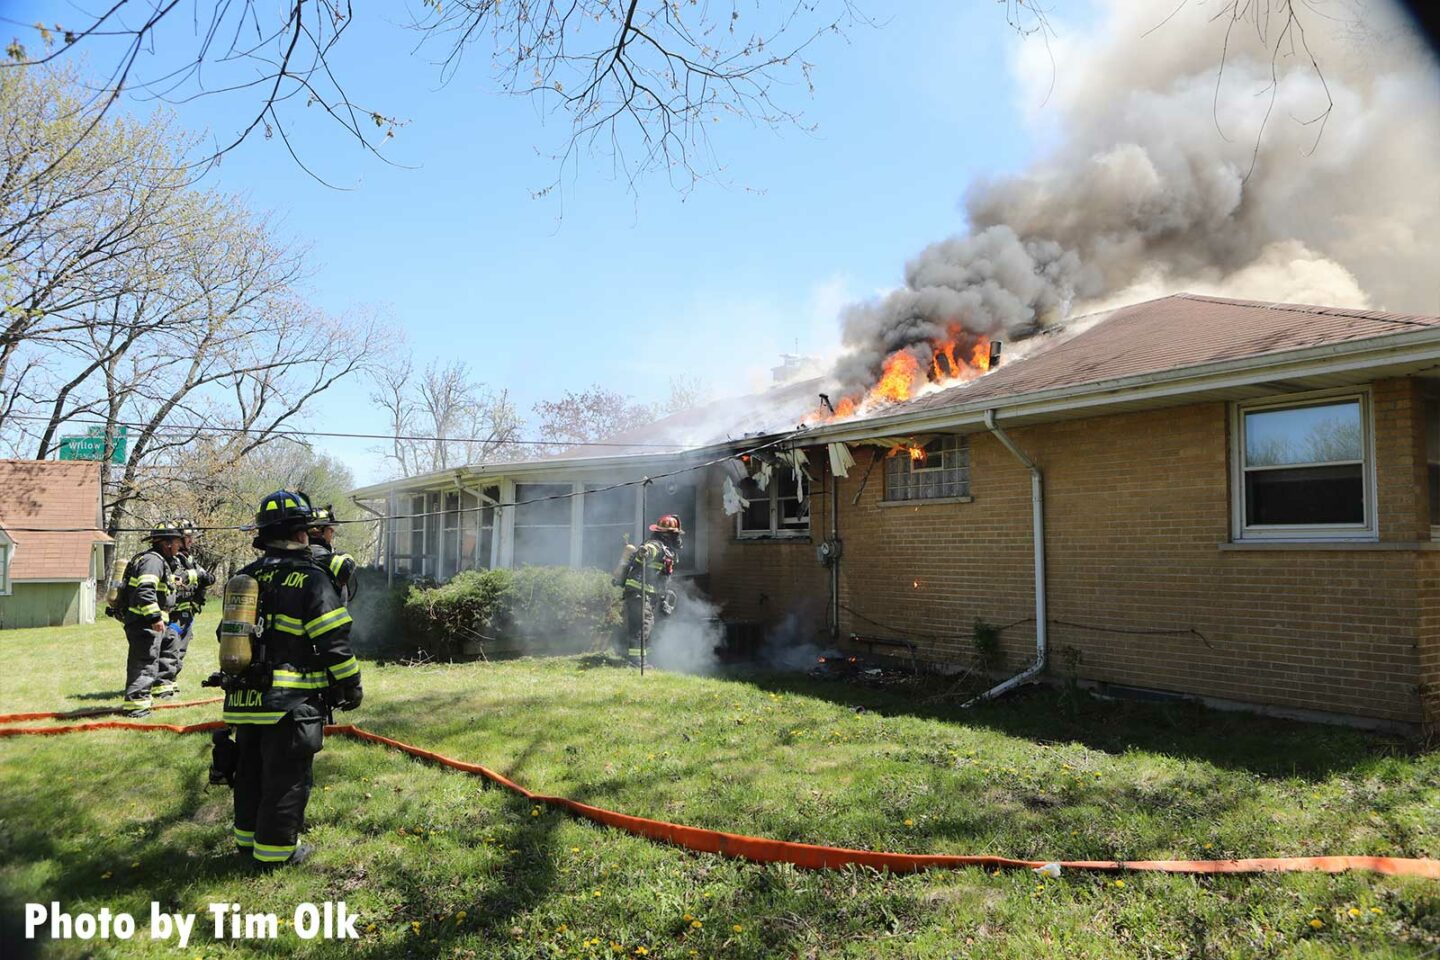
x=383 y=518
x=358 y=436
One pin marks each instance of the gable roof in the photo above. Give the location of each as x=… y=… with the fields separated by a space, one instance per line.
x=51 y=493
x=1171 y=333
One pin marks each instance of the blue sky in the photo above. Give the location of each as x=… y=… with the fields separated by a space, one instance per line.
x=602 y=286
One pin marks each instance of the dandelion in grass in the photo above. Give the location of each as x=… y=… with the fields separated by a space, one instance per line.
x=1119 y=883
x=414 y=926
x=1376 y=910
x=737 y=928
x=696 y=924
x=1317 y=923
x=1353 y=912
x=909 y=822
x=534 y=811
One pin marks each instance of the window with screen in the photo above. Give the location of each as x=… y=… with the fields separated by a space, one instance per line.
x=1304 y=469
x=542 y=524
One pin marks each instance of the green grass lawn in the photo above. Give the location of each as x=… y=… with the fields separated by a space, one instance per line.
x=439 y=865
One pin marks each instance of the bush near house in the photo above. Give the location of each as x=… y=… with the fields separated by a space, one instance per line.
x=530 y=610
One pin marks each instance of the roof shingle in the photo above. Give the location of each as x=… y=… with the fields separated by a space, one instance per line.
x=50 y=493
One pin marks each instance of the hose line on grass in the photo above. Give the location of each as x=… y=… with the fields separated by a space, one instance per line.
x=762 y=850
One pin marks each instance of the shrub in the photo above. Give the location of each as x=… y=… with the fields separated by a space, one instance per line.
x=530 y=610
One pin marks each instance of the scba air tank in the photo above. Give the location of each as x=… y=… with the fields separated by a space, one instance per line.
x=117 y=581
x=237 y=626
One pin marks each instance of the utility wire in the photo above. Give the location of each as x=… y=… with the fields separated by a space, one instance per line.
x=381 y=518
x=355 y=436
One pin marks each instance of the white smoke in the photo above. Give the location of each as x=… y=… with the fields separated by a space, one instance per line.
x=1315 y=184
x=686 y=641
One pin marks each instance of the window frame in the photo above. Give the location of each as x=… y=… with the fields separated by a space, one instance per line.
x=776 y=531
x=7 y=559
x=1367 y=531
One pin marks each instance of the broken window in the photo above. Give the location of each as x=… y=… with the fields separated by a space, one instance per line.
x=940 y=471
x=1304 y=469
x=782 y=509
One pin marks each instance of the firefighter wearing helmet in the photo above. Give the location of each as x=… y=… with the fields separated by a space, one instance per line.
x=190 y=580
x=146 y=592
x=341 y=566
x=646 y=580
x=277 y=695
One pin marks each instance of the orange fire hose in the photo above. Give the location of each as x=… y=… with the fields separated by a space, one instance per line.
x=761 y=850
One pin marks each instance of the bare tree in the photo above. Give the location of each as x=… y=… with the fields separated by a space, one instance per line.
x=135 y=300
x=442 y=418
x=597 y=414
x=640 y=83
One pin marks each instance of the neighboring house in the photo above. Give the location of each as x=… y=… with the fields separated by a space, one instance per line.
x=49 y=578
x=1238 y=503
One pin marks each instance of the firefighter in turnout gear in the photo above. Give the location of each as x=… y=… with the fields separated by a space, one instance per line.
x=647 y=580
x=341 y=566
x=192 y=580
x=300 y=664
x=147 y=591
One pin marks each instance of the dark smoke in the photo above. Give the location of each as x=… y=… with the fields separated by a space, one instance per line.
x=1170 y=174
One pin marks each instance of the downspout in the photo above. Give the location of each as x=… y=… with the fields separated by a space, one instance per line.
x=1037 y=523
x=835 y=562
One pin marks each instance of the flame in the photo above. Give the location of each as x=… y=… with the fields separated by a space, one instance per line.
x=917 y=454
x=960 y=357
x=897 y=378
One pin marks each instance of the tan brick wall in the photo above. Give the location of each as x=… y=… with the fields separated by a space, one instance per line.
x=1137 y=508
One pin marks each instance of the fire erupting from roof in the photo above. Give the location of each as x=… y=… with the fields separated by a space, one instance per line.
x=1306 y=173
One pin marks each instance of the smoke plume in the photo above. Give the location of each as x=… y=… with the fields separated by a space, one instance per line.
x=686 y=640
x=1294 y=160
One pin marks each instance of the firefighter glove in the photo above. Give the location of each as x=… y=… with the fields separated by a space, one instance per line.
x=667 y=604
x=349 y=696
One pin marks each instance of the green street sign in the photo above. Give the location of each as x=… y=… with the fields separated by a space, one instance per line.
x=91 y=448
x=100 y=432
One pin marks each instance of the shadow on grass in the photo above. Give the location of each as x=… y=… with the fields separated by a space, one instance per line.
x=1264 y=746
x=111 y=695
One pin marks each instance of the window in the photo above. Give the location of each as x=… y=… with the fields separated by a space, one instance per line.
x=777 y=511
x=1432 y=461
x=4 y=569
x=542 y=526
x=477 y=529
x=1304 y=469
x=942 y=473
x=450 y=536
x=609 y=516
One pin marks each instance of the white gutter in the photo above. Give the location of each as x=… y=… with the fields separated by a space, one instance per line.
x=1037 y=523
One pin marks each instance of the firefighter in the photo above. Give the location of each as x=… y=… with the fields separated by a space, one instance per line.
x=647 y=580
x=341 y=566
x=278 y=705
x=192 y=581
x=147 y=592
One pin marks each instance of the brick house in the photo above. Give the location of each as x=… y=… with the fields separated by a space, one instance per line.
x=1236 y=501
x=49 y=578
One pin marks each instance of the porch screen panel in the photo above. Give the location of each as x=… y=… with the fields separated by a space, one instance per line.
x=674 y=496
x=609 y=516
x=542 y=528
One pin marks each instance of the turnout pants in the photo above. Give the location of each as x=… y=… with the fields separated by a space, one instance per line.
x=172 y=653
x=639 y=621
x=273 y=777
x=140 y=665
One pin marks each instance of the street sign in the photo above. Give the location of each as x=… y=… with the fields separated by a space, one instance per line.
x=100 y=431
x=92 y=447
